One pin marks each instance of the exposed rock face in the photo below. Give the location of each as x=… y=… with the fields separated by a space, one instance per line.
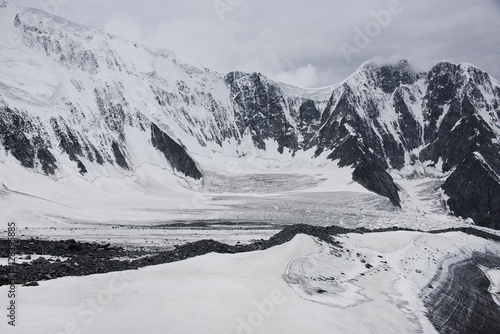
x=373 y=177
x=119 y=157
x=68 y=142
x=22 y=138
x=376 y=104
x=310 y=121
x=474 y=190
x=461 y=110
x=395 y=118
x=175 y=153
x=261 y=110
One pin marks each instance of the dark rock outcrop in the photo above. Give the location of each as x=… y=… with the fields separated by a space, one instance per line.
x=309 y=123
x=22 y=138
x=83 y=258
x=474 y=191
x=260 y=109
x=175 y=153
x=119 y=157
x=373 y=177
x=69 y=142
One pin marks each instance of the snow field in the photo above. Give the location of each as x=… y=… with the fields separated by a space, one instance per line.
x=302 y=286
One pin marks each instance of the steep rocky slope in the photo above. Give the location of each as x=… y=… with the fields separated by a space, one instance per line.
x=389 y=117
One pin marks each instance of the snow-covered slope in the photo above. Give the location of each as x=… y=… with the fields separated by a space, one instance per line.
x=76 y=101
x=390 y=117
x=392 y=282
x=87 y=101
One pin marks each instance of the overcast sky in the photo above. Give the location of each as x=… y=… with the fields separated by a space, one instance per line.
x=308 y=43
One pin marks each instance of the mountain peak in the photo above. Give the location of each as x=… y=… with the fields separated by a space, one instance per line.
x=463 y=67
x=385 y=75
x=375 y=63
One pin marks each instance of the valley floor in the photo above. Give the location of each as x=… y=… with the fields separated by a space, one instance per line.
x=374 y=283
x=385 y=282
x=162 y=212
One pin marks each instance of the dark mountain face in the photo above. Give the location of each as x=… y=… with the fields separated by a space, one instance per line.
x=21 y=137
x=360 y=111
x=175 y=153
x=310 y=121
x=474 y=191
x=388 y=117
x=260 y=109
x=389 y=78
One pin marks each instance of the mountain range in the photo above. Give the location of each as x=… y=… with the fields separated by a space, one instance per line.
x=78 y=101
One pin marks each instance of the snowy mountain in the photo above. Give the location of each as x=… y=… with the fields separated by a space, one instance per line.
x=77 y=101
x=390 y=117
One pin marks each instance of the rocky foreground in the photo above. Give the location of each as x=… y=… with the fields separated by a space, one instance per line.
x=83 y=258
x=471 y=307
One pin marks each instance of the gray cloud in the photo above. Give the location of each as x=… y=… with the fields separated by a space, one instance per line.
x=301 y=42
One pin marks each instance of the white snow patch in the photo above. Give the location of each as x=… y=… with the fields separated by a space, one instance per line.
x=494 y=277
